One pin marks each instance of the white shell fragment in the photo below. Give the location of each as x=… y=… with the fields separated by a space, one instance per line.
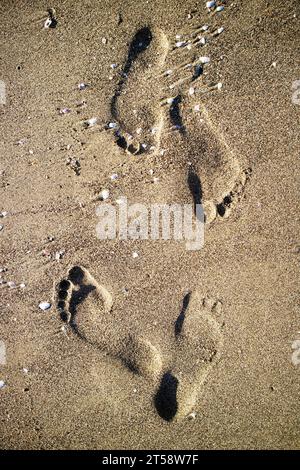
x=220 y=8
x=104 y=194
x=114 y=176
x=90 y=122
x=64 y=111
x=219 y=85
x=112 y=125
x=202 y=41
x=48 y=23
x=220 y=30
x=82 y=86
x=135 y=254
x=180 y=44
x=11 y=284
x=204 y=60
x=191 y=91
x=2 y=384
x=1 y=227
x=210 y=4
x=44 y=305
x=4 y=214
x=192 y=415
x=205 y=27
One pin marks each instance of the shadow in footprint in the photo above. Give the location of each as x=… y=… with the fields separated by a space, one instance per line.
x=181 y=317
x=195 y=187
x=175 y=115
x=166 y=397
x=140 y=42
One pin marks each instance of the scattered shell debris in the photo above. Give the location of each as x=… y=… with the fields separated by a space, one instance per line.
x=44 y=305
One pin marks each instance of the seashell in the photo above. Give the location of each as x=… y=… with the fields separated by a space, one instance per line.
x=180 y=44
x=104 y=194
x=204 y=60
x=90 y=122
x=44 y=305
x=210 y=4
x=82 y=86
x=2 y=384
x=220 y=8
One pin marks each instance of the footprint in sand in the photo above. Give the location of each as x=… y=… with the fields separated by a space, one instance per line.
x=197 y=348
x=137 y=129
x=153 y=111
x=84 y=305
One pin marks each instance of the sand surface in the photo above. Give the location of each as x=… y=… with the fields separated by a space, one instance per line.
x=172 y=348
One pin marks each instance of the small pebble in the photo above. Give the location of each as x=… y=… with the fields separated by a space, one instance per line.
x=44 y=305
x=22 y=285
